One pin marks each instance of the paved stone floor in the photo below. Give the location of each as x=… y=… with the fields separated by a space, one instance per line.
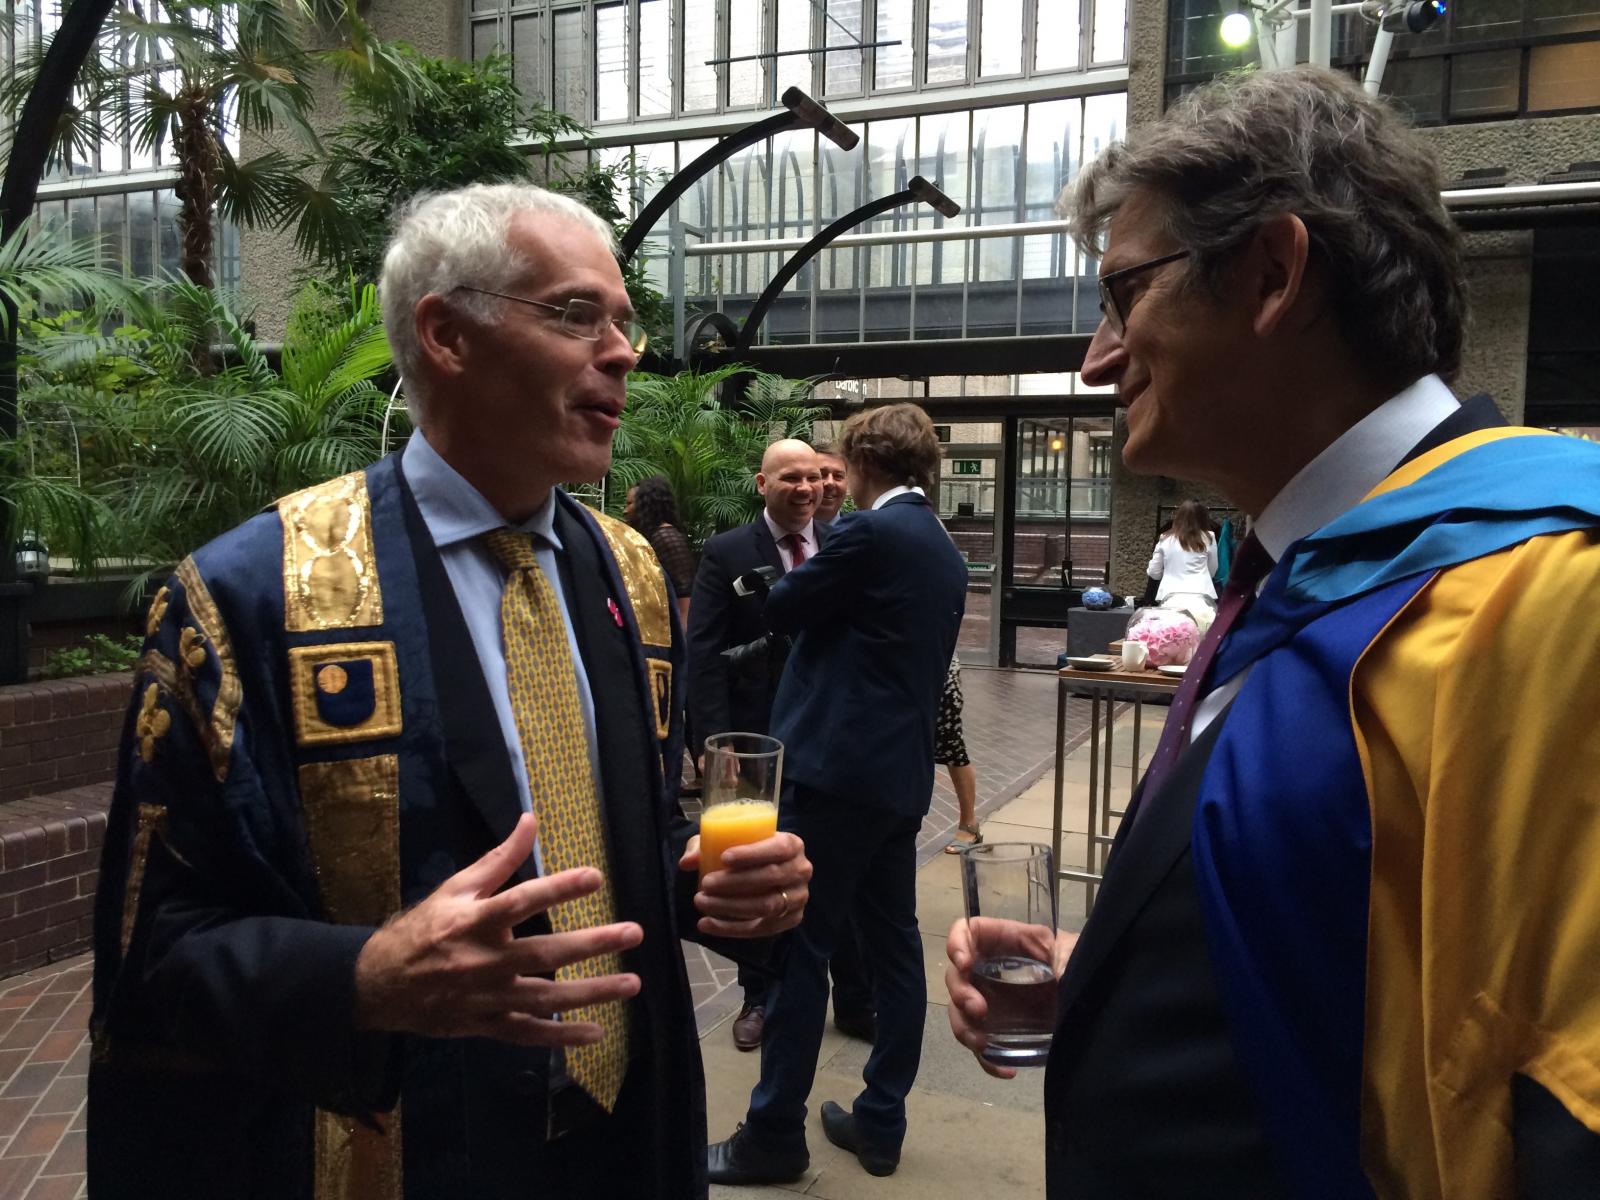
x=971 y=1133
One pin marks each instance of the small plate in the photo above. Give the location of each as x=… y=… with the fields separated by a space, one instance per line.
x=1173 y=669
x=1097 y=663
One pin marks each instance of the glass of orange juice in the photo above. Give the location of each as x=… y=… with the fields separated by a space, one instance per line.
x=743 y=775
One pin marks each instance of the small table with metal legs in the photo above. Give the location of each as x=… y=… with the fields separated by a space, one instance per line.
x=1104 y=689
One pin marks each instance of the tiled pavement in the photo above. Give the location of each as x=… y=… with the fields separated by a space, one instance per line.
x=44 y=1050
x=44 y=1063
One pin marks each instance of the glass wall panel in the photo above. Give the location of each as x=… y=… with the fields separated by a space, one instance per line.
x=168 y=246
x=141 y=234
x=485 y=39
x=1484 y=84
x=527 y=56
x=841 y=27
x=1000 y=38
x=1564 y=77
x=996 y=186
x=1417 y=86
x=1110 y=31
x=80 y=219
x=112 y=215
x=744 y=38
x=947 y=41
x=1482 y=20
x=655 y=57
x=794 y=33
x=1564 y=16
x=570 y=77
x=611 y=62
x=892 y=64
x=699 y=47
x=1057 y=36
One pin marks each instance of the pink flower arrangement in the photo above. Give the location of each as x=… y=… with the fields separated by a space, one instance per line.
x=1169 y=635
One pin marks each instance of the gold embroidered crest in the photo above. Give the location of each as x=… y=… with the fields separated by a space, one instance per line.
x=158 y=609
x=661 y=693
x=152 y=723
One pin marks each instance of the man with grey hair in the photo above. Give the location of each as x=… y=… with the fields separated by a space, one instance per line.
x=1347 y=939
x=394 y=873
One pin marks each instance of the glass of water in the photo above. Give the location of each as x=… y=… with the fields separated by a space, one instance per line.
x=1009 y=889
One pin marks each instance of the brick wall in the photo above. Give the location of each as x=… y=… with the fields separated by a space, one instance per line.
x=60 y=734
x=49 y=865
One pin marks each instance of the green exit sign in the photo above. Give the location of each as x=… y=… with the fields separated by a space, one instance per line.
x=967 y=466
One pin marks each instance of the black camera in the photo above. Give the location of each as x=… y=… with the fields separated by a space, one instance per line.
x=756 y=582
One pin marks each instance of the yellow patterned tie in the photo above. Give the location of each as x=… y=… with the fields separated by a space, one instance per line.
x=541 y=677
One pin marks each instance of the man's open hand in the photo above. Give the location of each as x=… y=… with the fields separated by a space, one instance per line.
x=451 y=967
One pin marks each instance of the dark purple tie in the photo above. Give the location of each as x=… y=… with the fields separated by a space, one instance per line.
x=1249 y=565
x=797 y=547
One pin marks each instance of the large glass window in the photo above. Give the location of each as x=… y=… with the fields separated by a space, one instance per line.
x=611 y=60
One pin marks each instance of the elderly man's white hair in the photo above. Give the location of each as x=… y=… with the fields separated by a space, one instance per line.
x=446 y=240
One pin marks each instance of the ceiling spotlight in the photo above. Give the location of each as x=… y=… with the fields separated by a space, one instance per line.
x=1057 y=444
x=1413 y=16
x=1236 y=30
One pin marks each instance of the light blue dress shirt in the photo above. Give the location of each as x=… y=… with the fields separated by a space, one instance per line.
x=457 y=516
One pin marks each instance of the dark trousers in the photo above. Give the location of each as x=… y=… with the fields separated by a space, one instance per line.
x=864 y=864
x=852 y=976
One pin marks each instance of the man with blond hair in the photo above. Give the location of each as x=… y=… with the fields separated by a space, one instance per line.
x=394 y=875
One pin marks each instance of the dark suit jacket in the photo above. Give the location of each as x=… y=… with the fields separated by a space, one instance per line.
x=719 y=701
x=877 y=612
x=1143 y=1094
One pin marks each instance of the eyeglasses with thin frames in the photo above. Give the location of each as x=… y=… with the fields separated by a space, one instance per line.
x=1114 y=310
x=582 y=319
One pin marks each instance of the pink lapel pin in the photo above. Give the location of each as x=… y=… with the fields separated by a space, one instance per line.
x=616 y=613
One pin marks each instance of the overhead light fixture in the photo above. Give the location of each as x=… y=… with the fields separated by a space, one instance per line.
x=1057 y=444
x=1236 y=30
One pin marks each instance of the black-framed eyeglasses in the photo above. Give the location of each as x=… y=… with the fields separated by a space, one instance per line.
x=583 y=319
x=1111 y=305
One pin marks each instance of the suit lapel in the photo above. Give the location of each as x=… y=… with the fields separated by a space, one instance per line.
x=1142 y=856
x=475 y=751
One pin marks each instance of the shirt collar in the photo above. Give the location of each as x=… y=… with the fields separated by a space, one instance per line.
x=901 y=490
x=778 y=532
x=1360 y=458
x=453 y=510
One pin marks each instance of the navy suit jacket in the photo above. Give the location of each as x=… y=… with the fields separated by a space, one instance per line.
x=877 y=612
x=718 y=700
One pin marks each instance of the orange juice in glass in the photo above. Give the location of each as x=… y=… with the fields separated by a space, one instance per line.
x=743 y=774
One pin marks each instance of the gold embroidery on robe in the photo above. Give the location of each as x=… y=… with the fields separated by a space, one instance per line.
x=352 y=814
x=225 y=711
x=661 y=693
x=330 y=568
x=158 y=609
x=152 y=723
x=152 y=820
x=641 y=575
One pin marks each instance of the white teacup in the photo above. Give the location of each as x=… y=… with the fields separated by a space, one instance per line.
x=1135 y=656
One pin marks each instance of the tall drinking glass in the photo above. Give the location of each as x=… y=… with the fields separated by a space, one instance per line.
x=1010 y=896
x=743 y=775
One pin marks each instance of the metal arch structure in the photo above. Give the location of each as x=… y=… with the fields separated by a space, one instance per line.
x=801 y=112
x=916 y=189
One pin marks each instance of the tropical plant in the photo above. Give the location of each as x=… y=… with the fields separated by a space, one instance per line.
x=680 y=427
x=172 y=456
x=466 y=123
x=45 y=270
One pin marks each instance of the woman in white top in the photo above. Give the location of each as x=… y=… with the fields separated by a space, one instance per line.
x=1184 y=562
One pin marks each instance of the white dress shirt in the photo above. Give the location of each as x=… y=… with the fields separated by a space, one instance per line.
x=1333 y=483
x=808 y=535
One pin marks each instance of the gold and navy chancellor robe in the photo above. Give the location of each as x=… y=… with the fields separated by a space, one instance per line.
x=310 y=748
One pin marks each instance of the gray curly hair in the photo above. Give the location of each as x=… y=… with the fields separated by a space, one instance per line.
x=1233 y=154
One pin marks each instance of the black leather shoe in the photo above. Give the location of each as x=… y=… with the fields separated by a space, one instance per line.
x=748 y=1027
x=741 y=1159
x=840 y=1129
x=861 y=1023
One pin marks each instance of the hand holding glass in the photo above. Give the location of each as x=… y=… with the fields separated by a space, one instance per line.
x=743 y=775
x=1009 y=889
